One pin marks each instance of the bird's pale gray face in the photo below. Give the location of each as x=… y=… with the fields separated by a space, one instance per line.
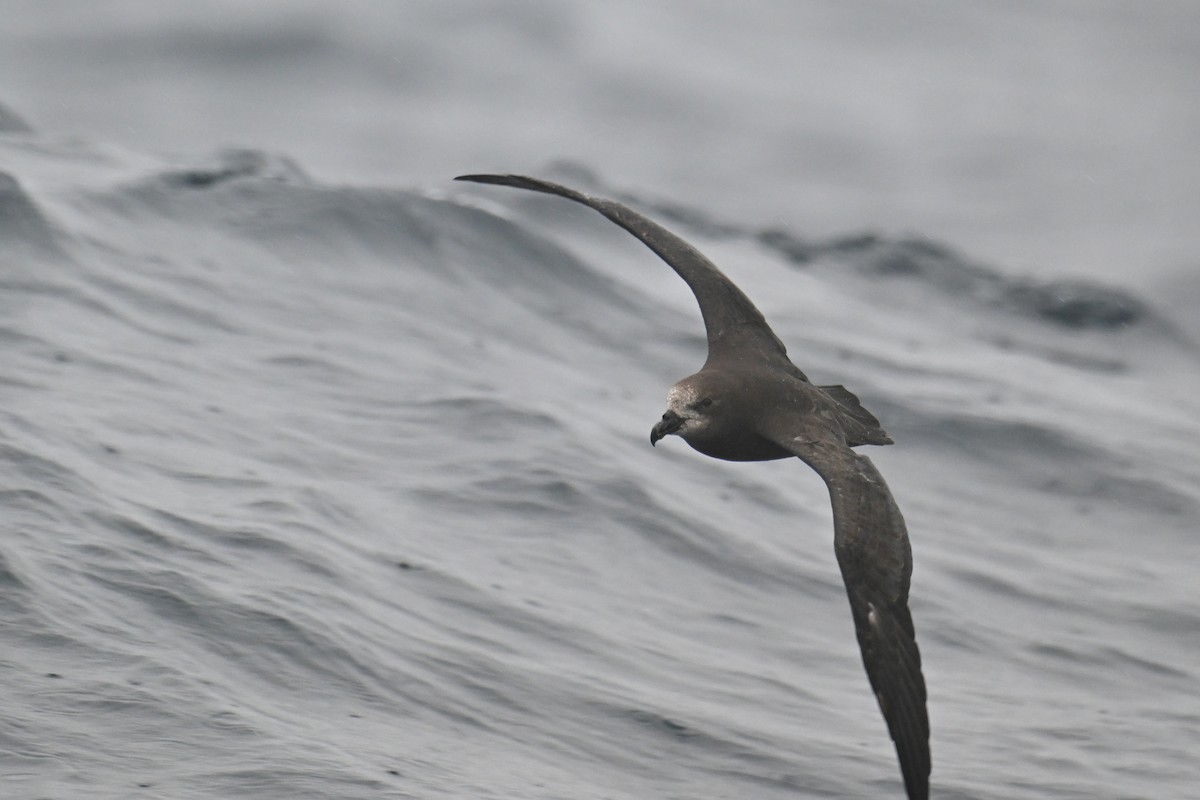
x=689 y=411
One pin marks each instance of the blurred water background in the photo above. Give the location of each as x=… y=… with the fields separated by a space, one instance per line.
x=324 y=477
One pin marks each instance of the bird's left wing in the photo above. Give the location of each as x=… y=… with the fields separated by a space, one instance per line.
x=734 y=325
x=871 y=542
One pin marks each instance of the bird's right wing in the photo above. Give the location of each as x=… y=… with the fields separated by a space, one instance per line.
x=732 y=322
x=871 y=542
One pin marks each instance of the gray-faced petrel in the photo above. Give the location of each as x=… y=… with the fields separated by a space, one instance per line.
x=750 y=403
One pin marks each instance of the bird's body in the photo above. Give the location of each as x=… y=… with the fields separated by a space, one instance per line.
x=749 y=402
x=751 y=394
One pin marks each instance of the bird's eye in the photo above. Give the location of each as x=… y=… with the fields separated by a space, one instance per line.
x=705 y=403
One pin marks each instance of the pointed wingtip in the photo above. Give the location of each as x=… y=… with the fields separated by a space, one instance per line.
x=482 y=178
x=518 y=181
x=531 y=184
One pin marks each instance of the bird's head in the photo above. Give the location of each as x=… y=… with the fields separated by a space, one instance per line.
x=693 y=410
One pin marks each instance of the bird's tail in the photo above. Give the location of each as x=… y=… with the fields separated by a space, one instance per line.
x=859 y=425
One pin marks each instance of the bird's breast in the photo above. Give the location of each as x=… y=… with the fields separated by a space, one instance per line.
x=751 y=447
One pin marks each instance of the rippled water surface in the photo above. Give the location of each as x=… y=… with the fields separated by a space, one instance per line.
x=340 y=489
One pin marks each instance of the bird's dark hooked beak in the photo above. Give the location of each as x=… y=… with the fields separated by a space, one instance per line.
x=669 y=423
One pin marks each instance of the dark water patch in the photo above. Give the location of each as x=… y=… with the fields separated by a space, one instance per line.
x=1176 y=621
x=24 y=228
x=226 y=190
x=247 y=481
x=25 y=469
x=274 y=553
x=1057 y=652
x=1075 y=305
x=11 y=122
x=332 y=507
x=295 y=777
x=1132 y=664
x=29 y=504
x=488 y=688
x=288 y=44
x=172 y=596
x=142 y=535
x=311 y=367
x=152 y=543
x=12 y=338
x=661 y=724
x=230 y=165
x=19 y=383
x=10 y=581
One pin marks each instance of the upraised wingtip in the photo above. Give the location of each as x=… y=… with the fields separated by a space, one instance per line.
x=532 y=184
x=518 y=181
x=726 y=310
x=482 y=178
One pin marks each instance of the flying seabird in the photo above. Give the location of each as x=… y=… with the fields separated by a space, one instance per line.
x=750 y=403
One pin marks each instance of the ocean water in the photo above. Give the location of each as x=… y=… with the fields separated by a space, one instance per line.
x=319 y=484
